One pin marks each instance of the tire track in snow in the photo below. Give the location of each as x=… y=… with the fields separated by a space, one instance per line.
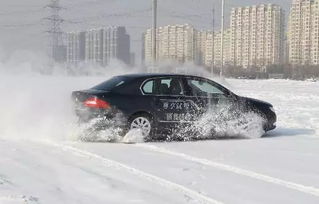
x=2 y=181
x=15 y=199
x=196 y=196
x=243 y=172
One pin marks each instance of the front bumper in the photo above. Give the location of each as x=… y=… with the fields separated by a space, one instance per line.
x=271 y=120
x=269 y=127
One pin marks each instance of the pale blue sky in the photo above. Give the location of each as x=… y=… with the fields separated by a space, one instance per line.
x=22 y=25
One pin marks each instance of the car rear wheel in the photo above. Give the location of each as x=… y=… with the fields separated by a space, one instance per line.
x=143 y=123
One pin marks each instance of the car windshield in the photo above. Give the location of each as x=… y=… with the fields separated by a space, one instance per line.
x=110 y=84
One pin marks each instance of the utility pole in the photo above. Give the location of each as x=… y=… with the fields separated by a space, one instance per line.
x=55 y=31
x=154 y=43
x=222 y=39
x=213 y=42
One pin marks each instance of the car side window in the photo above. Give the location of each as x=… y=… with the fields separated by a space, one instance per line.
x=204 y=88
x=148 y=88
x=163 y=87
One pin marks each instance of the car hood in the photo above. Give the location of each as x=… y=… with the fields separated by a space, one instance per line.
x=256 y=101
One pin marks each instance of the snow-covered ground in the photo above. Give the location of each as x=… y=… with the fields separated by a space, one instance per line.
x=41 y=162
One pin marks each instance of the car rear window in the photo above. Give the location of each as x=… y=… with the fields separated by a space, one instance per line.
x=110 y=84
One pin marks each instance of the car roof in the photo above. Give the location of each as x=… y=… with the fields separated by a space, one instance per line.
x=151 y=75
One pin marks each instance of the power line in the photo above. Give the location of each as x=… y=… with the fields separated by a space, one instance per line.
x=31 y=11
x=103 y=16
x=95 y=3
x=23 y=25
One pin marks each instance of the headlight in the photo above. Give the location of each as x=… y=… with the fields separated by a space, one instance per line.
x=272 y=109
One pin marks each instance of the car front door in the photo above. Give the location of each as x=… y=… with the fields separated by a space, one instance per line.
x=206 y=94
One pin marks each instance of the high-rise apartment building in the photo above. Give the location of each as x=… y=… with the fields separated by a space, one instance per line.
x=201 y=46
x=255 y=39
x=94 y=46
x=147 y=49
x=257 y=36
x=213 y=53
x=174 y=43
x=75 y=47
x=99 y=46
x=303 y=33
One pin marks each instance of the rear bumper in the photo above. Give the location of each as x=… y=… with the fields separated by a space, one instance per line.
x=87 y=114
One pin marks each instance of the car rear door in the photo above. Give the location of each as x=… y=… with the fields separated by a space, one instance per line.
x=170 y=103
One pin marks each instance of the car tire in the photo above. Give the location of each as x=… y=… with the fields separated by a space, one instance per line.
x=144 y=122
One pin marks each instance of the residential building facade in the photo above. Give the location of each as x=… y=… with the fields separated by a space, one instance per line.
x=303 y=33
x=75 y=47
x=257 y=36
x=255 y=39
x=99 y=46
x=175 y=43
x=213 y=54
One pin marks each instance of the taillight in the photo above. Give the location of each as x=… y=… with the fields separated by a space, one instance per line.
x=95 y=102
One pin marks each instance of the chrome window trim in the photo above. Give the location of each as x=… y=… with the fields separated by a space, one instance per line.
x=181 y=77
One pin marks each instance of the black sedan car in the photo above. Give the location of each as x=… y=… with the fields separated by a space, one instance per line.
x=156 y=102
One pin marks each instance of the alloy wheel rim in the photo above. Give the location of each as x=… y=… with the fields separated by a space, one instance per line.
x=142 y=124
